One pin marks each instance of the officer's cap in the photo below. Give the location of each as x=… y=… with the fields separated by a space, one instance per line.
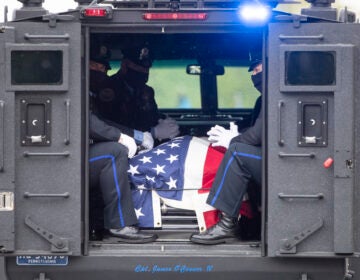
x=102 y=61
x=254 y=63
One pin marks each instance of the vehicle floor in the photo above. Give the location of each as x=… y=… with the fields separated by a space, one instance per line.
x=173 y=243
x=174 y=239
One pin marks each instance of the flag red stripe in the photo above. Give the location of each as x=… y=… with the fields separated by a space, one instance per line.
x=211 y=217
x=212 y=162
x=211 y=165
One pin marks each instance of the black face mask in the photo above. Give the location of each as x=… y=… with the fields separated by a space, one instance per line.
x=257 y=81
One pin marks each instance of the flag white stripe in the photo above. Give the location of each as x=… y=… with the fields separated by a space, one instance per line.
x=200 y=205
x=194 y=163
x=193 y=174
x=156 y=209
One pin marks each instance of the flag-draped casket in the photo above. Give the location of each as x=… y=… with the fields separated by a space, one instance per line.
x=180 y=174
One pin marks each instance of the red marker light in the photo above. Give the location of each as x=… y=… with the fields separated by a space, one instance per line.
x=174 y=16
x=95 y=12
x=328 y=162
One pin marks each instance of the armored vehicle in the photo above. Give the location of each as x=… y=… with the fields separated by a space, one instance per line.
x=200 y=57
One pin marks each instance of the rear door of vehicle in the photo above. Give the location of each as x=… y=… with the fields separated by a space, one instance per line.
x=312 y=142
x=40 y=137
x=7 y=148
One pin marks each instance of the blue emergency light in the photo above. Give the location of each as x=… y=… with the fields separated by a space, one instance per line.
x=255 y=13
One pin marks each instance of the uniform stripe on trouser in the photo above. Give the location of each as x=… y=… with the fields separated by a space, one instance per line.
x=234 y=154
x=122 y=223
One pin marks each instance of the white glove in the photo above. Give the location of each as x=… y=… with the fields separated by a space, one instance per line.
x=167 y=128
x=148 y=142
x=129 y=143
x=219 y=136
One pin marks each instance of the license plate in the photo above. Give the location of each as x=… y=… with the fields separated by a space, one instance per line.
x=42 y=260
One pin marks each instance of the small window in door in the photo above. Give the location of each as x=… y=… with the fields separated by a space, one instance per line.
x=315 y=68
x=36 y=67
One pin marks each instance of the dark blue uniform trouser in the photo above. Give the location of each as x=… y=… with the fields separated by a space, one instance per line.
x=240 y=166
x=108 y=171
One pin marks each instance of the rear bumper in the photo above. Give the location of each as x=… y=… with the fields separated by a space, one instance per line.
x=182 y=267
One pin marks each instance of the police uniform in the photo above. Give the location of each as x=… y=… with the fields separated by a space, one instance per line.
x=108 y=170
x=127 y=102
x=110 y=197
x=240 y=166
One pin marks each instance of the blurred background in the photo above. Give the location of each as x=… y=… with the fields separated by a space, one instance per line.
x=53 y=6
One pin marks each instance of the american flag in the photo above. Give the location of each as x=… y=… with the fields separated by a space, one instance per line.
x=161 y=168
x=179 y=173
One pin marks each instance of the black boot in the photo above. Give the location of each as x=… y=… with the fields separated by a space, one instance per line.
x=225 y=231
x=132 y=234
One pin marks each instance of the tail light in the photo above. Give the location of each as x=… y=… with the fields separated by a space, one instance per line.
x=96 y=12
x=174 y=16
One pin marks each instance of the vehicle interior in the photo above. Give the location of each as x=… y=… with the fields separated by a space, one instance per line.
x=200 y=80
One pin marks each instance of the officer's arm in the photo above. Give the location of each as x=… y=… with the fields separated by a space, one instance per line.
x=252 y=135
x=102 y=131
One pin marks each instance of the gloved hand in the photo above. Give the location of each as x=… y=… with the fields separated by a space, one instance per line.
x=166 y=128
x=148 y=142
x=129 y=143
x=219 y=136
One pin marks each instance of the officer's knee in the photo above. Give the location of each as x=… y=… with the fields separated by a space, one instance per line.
x=242 y=147
x=118 y=150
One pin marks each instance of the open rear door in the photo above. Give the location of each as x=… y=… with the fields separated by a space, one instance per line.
x=7 y=152
x=40 y=137
x=311 y=148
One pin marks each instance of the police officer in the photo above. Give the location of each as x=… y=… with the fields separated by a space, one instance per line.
x=126 y=99
x=240 y=166
x=102 y=96
x=103 y=100
x=108 y=167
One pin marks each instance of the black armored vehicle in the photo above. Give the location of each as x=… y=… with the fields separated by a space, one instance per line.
x=307 y=225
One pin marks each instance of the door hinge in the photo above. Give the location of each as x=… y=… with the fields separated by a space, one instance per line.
x=3 y=268
x=54 y=18
x=349 y=274
x=6 y=201
x=304 y=276
x=296 y=19
x=288 y=245
x=42 y=277
x=58 y=244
